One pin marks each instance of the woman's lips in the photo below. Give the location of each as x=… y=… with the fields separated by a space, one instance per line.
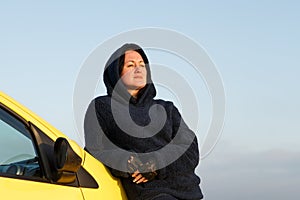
x=138 y=77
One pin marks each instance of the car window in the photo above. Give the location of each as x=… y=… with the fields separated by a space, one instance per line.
x=17 y=156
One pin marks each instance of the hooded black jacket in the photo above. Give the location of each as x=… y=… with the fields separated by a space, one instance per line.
x=117 y=125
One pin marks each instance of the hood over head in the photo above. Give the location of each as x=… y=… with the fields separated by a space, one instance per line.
x=113 y=68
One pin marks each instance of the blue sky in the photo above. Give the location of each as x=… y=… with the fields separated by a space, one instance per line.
x=254 y=44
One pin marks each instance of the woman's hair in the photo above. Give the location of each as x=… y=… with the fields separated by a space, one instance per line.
x=115 y=64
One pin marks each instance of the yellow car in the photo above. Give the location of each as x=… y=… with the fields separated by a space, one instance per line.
x=39 y=162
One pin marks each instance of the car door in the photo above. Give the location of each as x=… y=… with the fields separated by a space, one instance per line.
x=22 y=166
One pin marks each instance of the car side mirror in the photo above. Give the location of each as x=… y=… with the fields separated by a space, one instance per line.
x=66 y=161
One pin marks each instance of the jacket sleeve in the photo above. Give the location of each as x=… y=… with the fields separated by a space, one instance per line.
x=97 y=144
x=182 y=154
x=187 y=140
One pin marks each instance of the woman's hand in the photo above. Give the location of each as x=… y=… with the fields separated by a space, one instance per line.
x=139 y=178
x=148 y=170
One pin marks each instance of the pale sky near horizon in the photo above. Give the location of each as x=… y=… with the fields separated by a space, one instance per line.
x=255 y=46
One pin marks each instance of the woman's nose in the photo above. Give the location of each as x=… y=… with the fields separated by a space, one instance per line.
x=138 y=68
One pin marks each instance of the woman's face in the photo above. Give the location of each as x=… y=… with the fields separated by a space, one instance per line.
x=134 y=73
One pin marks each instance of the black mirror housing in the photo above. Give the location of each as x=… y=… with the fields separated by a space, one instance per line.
x=66 y=161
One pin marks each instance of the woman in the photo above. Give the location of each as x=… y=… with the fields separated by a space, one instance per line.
x=143 y=141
